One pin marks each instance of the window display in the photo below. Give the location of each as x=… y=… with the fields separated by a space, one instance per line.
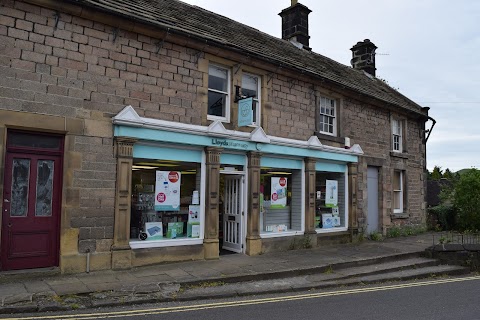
x=330 y=200
x=280 y=200
x=165 y=200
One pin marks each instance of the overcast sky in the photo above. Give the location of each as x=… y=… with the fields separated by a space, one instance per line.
x=427 y=49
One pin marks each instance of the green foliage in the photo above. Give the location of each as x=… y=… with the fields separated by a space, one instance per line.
x=376 y=236
x=466 y=200
x=436 y=174
x=403 y=231
x=445 y=215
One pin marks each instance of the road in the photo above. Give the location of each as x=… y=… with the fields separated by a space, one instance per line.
x=446 y=298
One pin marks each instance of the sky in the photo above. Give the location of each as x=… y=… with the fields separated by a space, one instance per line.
x=427 y=49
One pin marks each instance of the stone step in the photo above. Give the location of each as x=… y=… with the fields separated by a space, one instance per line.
x=372 y=269
x=410 y=274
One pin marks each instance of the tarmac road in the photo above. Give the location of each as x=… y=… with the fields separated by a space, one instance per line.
x=445 y=298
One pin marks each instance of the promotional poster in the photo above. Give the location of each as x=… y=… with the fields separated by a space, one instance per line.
x=167 y=191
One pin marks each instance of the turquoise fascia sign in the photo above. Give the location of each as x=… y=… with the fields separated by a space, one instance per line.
x=245 y=112
x=149 y=134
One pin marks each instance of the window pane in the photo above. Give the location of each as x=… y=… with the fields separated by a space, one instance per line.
x=249 y=86
x=397 y=181
x=43 y=205
x=396 y=200
x=31 y=140
x=217 y=78
x=20 y=180
x=216 y=104
x=255 y=103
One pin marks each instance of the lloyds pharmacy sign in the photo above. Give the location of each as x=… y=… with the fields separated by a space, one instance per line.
x=229 y=144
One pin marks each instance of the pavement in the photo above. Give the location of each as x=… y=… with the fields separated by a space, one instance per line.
x=231 y=275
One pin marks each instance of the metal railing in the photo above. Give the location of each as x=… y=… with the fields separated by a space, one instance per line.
x=455 y=238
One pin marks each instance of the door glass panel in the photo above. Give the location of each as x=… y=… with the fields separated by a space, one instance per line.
x=20 y=179
x=43 y=204
x=32 y=140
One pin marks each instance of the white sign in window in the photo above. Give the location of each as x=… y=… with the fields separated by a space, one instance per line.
x=167 y=191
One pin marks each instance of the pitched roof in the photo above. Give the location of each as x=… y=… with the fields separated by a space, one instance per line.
x=196 y=21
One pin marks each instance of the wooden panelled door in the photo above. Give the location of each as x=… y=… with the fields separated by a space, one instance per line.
x=233 y=213
x=31 y=201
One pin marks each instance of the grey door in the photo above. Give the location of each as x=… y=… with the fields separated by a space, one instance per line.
x=372 y=189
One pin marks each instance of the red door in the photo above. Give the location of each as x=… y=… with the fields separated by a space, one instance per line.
x=31 y=201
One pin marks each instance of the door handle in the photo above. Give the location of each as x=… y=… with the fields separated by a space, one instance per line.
x=6 y=200
x=9 y=225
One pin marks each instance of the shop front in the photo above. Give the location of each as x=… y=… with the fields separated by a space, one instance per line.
x=195 y=192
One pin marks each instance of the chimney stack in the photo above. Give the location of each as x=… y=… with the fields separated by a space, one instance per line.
x=363 y=56
x=295 y=24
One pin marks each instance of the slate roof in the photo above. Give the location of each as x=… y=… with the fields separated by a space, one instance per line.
x=198 y=22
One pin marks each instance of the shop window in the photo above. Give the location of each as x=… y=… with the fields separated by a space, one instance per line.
x=330 y=211
x=165 y=200
x=218 y=93
x=280 y=200
x=251 y=89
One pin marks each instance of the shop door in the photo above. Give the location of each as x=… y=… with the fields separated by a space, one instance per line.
x=372 y=192
x=31 y=205
x=233 y=213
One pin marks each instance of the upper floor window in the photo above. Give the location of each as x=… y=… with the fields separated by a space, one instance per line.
x=397 y=135
x=218 y=93
x=328 y=116
x=251 y=89
x=398 y=188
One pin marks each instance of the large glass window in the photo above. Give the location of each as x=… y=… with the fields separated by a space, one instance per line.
x=251 y=89
x=218 y=93
x=165 y=200
x=330 y=200
x=280 y=200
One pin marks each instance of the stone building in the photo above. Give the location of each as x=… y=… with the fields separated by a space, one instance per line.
x=135 y=133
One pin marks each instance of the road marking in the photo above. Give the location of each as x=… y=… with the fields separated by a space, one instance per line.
x=217 y=305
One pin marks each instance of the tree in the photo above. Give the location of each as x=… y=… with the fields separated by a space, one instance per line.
x=436 y=174
x=449 y=175
x=466 y=199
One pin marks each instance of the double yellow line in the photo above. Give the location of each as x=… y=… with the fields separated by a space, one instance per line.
x=217 y=305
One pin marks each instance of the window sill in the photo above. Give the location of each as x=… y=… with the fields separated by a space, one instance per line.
x=323 y=136
x=400 y=216
x=265 y=235
x=138 y=244
x=401 y=155
x=216 y=118
x=331 y=230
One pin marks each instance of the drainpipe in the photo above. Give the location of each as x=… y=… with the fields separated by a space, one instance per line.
x=88 y=260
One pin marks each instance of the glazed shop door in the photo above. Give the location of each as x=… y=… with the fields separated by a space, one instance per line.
x=233 y=213
x=31 y=210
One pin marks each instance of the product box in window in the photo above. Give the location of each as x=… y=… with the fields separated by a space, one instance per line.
x=175 y=229
x=327 y=220
x=336 y=220
x=154 y=230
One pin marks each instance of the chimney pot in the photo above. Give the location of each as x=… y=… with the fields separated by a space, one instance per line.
x=363 y=56
x=295 y=24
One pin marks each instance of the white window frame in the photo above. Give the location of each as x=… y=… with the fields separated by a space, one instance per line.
x=321 y=115
x=227 y=93
x=397 y=135
x=398 y=191
x=258 y=99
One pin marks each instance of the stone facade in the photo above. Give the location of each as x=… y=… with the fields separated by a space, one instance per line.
x=69 y=74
